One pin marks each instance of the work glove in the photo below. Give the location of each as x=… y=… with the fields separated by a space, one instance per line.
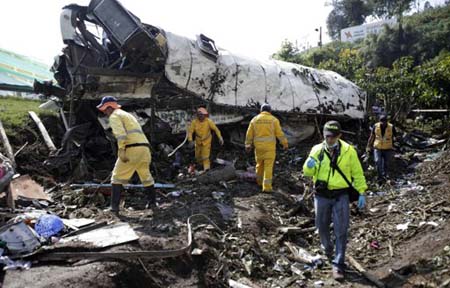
x=248 y=148
x=221 y=141
x=123 y=155
x=311 y=162
x=361 y=201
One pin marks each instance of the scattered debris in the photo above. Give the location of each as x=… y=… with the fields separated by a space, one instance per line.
x=19 y=238
x=14 y=264
x=26 y=188
x=103 y=237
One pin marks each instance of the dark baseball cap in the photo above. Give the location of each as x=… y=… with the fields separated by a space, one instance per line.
x=332 y=128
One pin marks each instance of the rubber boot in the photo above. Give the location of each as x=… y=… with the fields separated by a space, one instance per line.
x=151 y=197
x=115 y=198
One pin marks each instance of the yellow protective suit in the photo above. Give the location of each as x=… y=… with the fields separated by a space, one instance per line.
x=203 y=138
x=262 y=133
x=127 y=131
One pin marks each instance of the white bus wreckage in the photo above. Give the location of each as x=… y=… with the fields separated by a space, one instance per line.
x=164 y=77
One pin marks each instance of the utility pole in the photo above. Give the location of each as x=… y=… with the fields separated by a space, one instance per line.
x=320 y=36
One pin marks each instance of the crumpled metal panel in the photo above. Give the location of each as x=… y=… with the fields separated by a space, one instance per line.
x=241 y=81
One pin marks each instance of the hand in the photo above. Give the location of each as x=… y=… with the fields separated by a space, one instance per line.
x=368 y=149
x=248 y=148
x=361 y=201
x=123 y=155
x=311 y=162
x=286 y=147
x=221 y=141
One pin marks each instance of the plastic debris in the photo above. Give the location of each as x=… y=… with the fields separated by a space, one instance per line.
x=319 y=283
x=431 y=223
x=49 y=225
x=403 y=227
x=375 y=245
x=19 y=238
x=197 y=252
x=217 y=195
x=12 y=265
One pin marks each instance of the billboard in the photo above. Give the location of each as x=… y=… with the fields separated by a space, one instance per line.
x=354 y=33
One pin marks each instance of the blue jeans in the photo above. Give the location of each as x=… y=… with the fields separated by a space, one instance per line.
x=337 y=210
x=382 y=160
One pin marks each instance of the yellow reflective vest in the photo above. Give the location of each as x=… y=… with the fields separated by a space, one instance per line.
x=263 y=131
x=126 y=128
x=347 y=161
x=202 y=130
x=383 y=142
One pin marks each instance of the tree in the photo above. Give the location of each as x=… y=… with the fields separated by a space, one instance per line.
x=288 y=52
x=346 y=13
x=390 y=8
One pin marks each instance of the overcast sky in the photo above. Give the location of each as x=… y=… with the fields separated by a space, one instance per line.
x=252 y=28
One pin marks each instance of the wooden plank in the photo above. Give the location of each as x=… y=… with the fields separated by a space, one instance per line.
x=372 y=278
x=43 y=131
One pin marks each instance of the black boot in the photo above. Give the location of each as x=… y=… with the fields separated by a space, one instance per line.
x=151 y=197
x=116 y=191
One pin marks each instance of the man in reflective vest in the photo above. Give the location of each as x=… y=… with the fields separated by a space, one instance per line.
x=133 y=152
x=202 y=127
x=381 y=139
x=331 y=197
x=262 y=134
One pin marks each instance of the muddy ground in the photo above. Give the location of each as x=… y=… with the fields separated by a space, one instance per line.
x=251 y=246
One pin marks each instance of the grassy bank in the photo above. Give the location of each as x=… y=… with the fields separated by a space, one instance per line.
x=14 y=112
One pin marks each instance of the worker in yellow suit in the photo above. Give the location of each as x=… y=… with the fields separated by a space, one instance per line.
x=202 y=127
x=133 y=152
x=262 y=133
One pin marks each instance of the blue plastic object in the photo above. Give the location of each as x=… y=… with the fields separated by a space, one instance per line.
x=48 y=225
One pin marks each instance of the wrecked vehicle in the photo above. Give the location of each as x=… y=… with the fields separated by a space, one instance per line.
x=163 y=77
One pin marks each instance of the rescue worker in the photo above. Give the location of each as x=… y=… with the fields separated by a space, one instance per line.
x=331 y=197
x=262 y=133
x=202 y=127
x=133 y=152
x=381 y=139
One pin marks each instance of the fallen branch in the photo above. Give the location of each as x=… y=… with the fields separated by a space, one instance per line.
x=179 y=146
x=296 y=230
x=21 y=148
x=372 y=278
x=8 y=148
x=43 y=131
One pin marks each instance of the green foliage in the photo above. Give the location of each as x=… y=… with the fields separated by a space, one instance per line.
x=401 y=73
x=288 y=52
x=346 y=13
x=433 y=82
x=390 y=8
x=423 y=36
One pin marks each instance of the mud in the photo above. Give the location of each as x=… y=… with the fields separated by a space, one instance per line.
x=251 y=249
